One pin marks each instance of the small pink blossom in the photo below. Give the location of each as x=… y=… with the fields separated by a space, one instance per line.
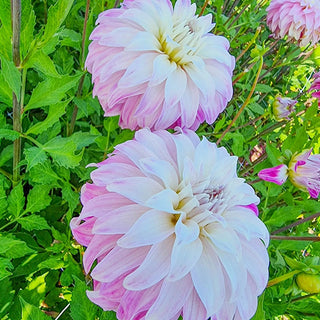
x=173 y=231
x=283 y=107
x=278 y=174
x=316 y=86
x=303 y=171
x=297 y=19
x=157 y=66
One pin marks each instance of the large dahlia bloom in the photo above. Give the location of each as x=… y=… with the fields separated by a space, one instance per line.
x=297 y=19
x=159 y=67
x=316 y=86
x=303 y=171
x=173 y=230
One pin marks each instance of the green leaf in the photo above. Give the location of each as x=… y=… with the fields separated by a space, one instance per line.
x=294 y=264
x=83 y=139
x=28 y=21
x=70 y=38
x=30 y=312
x=5 y=299
x=5 y=91
x=51 y=91
x=56 y=16
x=9 y=134
x=81 y=307
x=273 y=154
x=62 y=150
x=43 y=63
x=33 y=222
x=71 y=197
x=5 y=264
x=11 y=75
x=16 y=200
x=110 y=315
x=13 y=248
x=44 y=174
x=6 y=155
x=55 y=112
x=3 y=199
x=38 y=199
x=34 y=155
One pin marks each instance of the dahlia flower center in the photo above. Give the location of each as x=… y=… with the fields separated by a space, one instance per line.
x=182 y=42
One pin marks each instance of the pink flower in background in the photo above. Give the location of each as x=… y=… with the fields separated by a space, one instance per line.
x=173 y=230
x=159 y=67
x=283 y=107
x=303 y=171
x=297 y=19
x=316 y=86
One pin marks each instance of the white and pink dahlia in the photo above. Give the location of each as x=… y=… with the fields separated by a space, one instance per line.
x=282 y=107
x=303 y=171
x=159 y=67
x=297 y=19
x=173 y=230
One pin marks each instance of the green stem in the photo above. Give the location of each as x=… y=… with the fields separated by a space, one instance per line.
x=7 y=174
x=268 y=130
x=16 y=26
x=245 y=103
x=80 y=86
x=282 y=278
x=294 y=224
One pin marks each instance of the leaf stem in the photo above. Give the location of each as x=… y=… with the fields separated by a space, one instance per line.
x=251 y=42
x=83 y=55
x=294 y=224
x=282 y=278
x=245 y=103
x=294 y=238
x=203 y=8
x=16 y=26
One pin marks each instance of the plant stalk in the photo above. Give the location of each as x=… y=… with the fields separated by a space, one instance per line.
x=294 y=238
x=16 y=26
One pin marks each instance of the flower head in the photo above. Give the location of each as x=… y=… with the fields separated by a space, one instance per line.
x=297 y=19
x=283 y=107
x=173 y=230
x=157 y=66
x=303 y=171
x=316 y=86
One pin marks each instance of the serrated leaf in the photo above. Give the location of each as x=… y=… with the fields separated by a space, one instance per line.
x=34 y=155
x=16 y=200
x=53 y=262
x=3 y=199
x=11 y=75
x=273 y=154
x=44 y=174
x=56 y=16
x=6 y=155
x=51 y=91
x=33 y=222
x=294 y=264
x=38 y=199
x=13 y=248
x=9 y=134
x=30 y=312
x=70 y=38
x=5 y=30
x=43 y=63
x=55 y=112
x=62 y=150
x=82 y=139
x=81 y=307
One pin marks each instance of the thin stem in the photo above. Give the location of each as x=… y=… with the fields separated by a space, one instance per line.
x=313 y=239
x=16 y=25
x=245 y=103
x=254 y=163
x=63 y=310
x=282 y=278
x=5 y=173
x=203 y=8
x=268 y=130
x=251 y=42
x=304 y=297
x=294 y=224
x=80 y=86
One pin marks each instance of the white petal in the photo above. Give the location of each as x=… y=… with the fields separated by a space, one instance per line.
x=175 y=86
x=162 y=68
x=152 y=227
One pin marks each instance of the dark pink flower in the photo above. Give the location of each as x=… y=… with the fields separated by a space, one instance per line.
x=157 y=66
x=316 y=86
x=173 y=230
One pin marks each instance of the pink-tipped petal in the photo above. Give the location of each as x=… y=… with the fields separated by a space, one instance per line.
x=278 y=174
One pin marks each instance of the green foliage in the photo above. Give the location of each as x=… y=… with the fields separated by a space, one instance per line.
x=41 y=269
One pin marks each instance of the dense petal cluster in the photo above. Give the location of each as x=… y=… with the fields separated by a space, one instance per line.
x=174 y=231
x=283 y=107
x=159 y=67
x=303 y=171
x=316 y=86
x=297 y=19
